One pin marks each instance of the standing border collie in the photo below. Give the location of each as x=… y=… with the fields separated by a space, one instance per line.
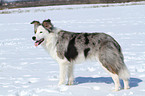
x=69 y=48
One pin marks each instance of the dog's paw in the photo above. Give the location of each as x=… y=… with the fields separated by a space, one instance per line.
x=61 y=83
x=115 y=90
x=70 y=83
x=126 y=88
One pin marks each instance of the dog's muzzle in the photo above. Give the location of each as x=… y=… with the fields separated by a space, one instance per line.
x=38 y=42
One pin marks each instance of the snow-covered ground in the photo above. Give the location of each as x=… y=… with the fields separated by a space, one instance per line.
x=29 y=71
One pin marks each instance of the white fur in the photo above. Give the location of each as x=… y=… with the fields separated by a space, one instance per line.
x=49 y=46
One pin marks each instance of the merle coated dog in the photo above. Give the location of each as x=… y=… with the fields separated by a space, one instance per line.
x=69 y=48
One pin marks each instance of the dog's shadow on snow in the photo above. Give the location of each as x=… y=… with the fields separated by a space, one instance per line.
x=108 y=80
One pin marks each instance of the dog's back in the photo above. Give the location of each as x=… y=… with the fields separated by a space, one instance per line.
x=70 y=44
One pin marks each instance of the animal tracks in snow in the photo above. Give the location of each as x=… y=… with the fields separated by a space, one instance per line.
x=33 y=80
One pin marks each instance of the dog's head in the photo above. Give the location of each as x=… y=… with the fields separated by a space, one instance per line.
x=41 y=31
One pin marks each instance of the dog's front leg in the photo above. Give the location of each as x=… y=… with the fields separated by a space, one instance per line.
x=62 y=74
x=70 y=74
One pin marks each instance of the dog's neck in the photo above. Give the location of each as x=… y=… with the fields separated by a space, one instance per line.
x=50 y=44
x=55 y=30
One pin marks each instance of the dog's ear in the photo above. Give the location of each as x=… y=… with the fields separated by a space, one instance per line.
x=36 y=24
x=48 y=25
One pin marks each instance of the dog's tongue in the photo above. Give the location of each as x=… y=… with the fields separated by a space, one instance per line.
x=36 y=44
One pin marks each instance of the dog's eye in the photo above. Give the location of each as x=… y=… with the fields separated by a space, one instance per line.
x=41 y=32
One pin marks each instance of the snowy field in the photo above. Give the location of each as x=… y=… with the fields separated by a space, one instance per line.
x=29 y=71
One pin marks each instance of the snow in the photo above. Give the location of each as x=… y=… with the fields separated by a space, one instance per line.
x=29 y=71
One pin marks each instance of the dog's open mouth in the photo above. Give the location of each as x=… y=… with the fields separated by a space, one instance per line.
x=38 y=42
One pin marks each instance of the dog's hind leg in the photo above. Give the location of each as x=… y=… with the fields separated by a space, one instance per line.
x=116 y=81
x=111 y=59
x=126 y=84
x=70 y=74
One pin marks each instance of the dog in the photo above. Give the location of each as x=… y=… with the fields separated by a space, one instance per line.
x=69 y=48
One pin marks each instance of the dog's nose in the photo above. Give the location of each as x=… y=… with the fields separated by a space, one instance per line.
x=34 y=38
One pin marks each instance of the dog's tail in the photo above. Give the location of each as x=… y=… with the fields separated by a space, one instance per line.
x=112 y=59
x=124 y=73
